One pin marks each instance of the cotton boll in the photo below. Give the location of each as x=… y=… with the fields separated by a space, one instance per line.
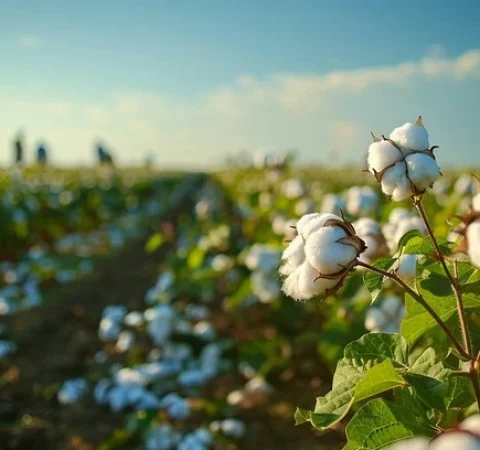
x=369 y=231
x=72 y=391
x=109 y=329
x=258 y=385
x=293 y=188
x=473 y=238
x=374 y=319
x=233 y=428
x=265 y=286
x=221 y=263
x=418 y=443
x=422 y=170
x=309 y=284
x=361 y=200
x=326 y=254
x=310 y=223
x=395 y=183
x=464 y=186
x=333 y=204
x=456 y=440
x=293 y=256
x=179 y=410
x=126 y=340
x=410 y=137
x=263 y=258
x=407 y=267
x=471 y=424
x=235 y=397
x=382 y=154
x=398 y=214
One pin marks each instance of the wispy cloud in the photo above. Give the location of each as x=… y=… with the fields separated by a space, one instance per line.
x=323 y=114
x=29 y=41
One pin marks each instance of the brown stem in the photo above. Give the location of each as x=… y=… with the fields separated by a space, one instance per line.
x=417 y=201
x=420 y=300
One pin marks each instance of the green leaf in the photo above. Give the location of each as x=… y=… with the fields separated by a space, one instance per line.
x=373 y=281
x=405 y=239
x=422 y=245
x=195 y=258
x=154 y=242
x=374 y=348
x=380 y=423
x=379 y=379
x=429 y=390
x=427 y=363
x=460 y=393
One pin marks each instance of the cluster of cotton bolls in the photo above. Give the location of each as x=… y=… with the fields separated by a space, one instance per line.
x=385 y=315
x=465 y=436
x=263 y=261
x=404 y=163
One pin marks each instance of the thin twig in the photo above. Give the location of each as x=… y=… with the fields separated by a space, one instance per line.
x=453 y=279
x=419 y=299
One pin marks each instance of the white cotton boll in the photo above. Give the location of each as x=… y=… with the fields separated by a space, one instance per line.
x=476 y=202
x=109 y=329
x=134 y=319
x=361 y=200
x=258 y=385
x=456 y=440
x=72 y=391
x=403 y=191
x=326 y=254
x=472 y=424
x=464 y=186
x=393 y=177
x=407 y=267
x=263 y=258
x=221 y=263
x=128 y=376
x=126 y=340
x=392 y=305
x=410 y=137
x=473 y=238
x=293 y=188
x=265 y=286
x=204 y=330
x=310 y=223
x=304 y=206
x=422 y=170
x=233 y=428
x=293 y=256
x=160 y=330
x=115 y=312
x=382 y=154
x=418 y=443
x=278 y=224
x=148 y=401
x=309 y=285
x=235 y=397
x=375 y=319
x=397 y=214
x=333 y=204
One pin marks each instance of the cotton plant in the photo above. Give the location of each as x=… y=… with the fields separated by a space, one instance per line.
x=396 y=378
x=361 y=201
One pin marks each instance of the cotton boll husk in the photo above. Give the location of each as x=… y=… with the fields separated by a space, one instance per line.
x=310 y=223
x=410 y=137
x=458 y=440
x=326 y=254
x=422 y=170
x=382 y=154
x=473 y=237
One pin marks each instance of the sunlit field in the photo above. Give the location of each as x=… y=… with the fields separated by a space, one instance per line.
x=144 y=309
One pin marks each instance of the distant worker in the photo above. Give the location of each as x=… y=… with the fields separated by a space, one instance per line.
x=18 y=149
x=41 y=154
x=104 y=156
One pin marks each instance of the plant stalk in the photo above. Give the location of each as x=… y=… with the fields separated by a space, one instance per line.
x=419 y=299
x=453 y=279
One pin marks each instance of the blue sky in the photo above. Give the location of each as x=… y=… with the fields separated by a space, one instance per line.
x=193 y=80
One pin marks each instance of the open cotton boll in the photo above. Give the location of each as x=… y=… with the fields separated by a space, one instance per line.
x=410 y=137
x=382 y=154
x=293 y=188
x=293 y=256
x=325 y=253
x=310 y=223
x=455 y=440
x=473 y=239
x=407 y=267
x=472 y=424
x=422 y=169
x=262 y=257
x=265 y=286
x=395 y=182
x=418 y=443
x=361 y=200
x=333 y=204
